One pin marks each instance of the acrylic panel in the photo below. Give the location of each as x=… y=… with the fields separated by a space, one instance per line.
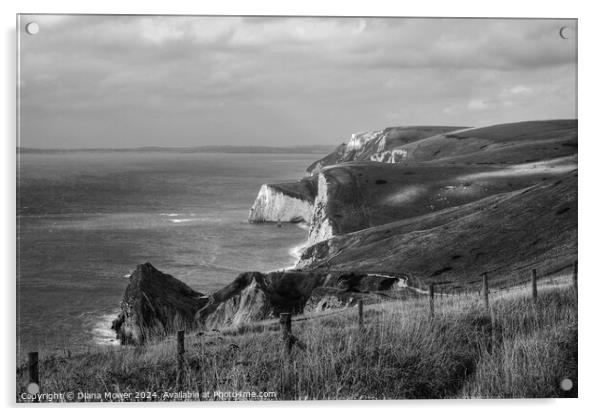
x=217 y=208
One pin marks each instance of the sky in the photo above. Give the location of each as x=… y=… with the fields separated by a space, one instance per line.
x=130 y=81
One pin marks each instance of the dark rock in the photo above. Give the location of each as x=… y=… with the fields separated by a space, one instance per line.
x=154 y=305
x=254 y=296
x=361 y=282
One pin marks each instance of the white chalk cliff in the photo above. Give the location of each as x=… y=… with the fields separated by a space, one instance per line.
x=273 y=205
x=320 y=228
x=309 y=199
x=389 y=156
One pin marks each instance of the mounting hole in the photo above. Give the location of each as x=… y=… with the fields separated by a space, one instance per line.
x=566 y=384
x=566 y=32
x=33 y=388
x=32 y=28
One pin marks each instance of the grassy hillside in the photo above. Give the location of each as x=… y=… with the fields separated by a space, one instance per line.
x=438 y=169
x=534 y=226
x=517 y=350
x=376 y=142
x=368 y=194
x=511 y=143
x=304 y=189
x=521 y=142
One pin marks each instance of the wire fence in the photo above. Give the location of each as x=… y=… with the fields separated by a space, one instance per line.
x=549 y=279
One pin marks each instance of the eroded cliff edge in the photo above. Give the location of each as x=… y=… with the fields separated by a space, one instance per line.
x=284 y=202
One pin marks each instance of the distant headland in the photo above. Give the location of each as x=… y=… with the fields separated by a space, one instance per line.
x=318 y=149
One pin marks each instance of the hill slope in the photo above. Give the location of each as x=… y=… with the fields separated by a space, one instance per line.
x=512 y=143
x=497 y=234
x=377 y=145
x=357 y=195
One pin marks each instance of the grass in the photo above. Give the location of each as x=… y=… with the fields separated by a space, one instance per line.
x=517 y=350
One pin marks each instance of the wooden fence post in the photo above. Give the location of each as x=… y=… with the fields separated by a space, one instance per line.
x=360 y=310
x=432 y=300
x=180 y=380
x=534 y=284
x=485 y=290
x=34 y=372
x=286 y=371
x=285 y=326
x=575 y=275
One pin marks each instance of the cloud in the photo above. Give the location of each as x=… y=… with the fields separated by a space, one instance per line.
x=515 y=91
x=477 y=105
x=261 y=80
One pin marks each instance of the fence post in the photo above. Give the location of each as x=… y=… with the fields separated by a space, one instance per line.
x=360 y=310
x=534 y=284
x=34 y=373
x=432 y=300
x=485 y=291
x=285 y=326
x=575 y=275
x=180 y=380
x=287 y=339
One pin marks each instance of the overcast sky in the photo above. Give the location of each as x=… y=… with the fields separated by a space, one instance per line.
x=121 y=81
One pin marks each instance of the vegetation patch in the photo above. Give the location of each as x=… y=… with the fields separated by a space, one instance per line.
x=516 y=350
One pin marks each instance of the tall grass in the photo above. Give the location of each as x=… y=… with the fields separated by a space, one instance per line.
x=537 y=349
x=516 y=350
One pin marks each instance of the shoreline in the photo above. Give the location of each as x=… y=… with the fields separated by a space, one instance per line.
x=104 y=336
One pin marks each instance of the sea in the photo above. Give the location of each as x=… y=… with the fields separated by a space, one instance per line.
x=86 y=219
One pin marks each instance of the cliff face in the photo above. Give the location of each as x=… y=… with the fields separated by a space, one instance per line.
x=284 y=202
x=320 y=228
x=272 y=205
x=154 y=305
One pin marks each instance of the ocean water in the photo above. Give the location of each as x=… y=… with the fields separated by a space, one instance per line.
x=85 y=220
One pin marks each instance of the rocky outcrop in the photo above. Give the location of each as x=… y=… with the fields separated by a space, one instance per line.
x=349 y=288
x=255 y=296
x=154 y=305
x=284 y=202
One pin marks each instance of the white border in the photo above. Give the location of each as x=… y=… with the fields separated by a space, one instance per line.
x=590 y=139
